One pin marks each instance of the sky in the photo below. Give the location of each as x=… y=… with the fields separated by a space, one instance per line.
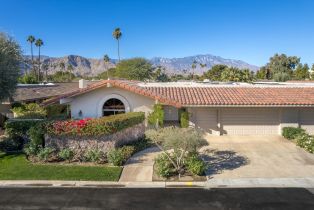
x=248 y=30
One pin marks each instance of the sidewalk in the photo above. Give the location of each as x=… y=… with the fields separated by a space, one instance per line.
x=139 y=168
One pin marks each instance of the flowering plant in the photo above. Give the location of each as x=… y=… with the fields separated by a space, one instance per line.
x=95 y=127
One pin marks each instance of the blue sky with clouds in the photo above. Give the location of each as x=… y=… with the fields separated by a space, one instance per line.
x=250 y=30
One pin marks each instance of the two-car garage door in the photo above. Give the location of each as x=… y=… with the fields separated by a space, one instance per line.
x=250 y=121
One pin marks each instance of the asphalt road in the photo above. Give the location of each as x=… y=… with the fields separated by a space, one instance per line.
x=126 y=198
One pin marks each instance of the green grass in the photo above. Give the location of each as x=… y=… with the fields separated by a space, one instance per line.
x=17 y=167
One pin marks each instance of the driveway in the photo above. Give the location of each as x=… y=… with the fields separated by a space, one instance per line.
x=256 y=157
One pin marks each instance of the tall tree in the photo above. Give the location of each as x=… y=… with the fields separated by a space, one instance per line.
x=31 y=40
x=70 y=71
x=193 y=68
x=117 y=34
x=10 y=59
x=301 y=72
x=106 y=61
x=38 y=44
x=134 y=69
x=215 y=72
x=62 y=67
x=282 y=65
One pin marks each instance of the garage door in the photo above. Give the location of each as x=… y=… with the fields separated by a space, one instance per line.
x=307 y=120
x=250 y=121
x=205 y=119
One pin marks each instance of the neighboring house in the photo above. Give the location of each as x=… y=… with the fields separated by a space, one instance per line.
x=218 y=109
x=37 y=93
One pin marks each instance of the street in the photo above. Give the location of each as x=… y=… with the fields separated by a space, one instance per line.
x=155 y=198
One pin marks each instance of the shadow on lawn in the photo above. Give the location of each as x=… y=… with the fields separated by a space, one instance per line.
x=219 y=161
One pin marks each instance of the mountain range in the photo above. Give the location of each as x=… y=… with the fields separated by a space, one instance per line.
x=91 y=67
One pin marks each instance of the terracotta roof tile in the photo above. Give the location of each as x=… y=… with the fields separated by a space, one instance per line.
x=212 y=95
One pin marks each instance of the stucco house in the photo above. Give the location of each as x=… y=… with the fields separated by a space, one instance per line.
x=217 y=108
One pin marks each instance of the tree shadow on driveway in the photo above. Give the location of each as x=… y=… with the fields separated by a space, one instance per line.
x=218 y=161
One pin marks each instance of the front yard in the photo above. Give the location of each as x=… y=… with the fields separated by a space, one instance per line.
x=17 y=167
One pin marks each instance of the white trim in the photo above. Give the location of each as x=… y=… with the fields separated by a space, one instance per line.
x=106 y=98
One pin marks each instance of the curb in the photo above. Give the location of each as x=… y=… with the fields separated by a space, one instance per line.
x=212 y=183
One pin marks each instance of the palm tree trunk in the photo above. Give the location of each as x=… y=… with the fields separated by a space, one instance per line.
x=39 y=64
x=119 y=50
x=32 y=57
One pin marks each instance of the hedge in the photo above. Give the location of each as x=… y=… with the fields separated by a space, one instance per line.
x=292 y=132
x=95 y=127
x=20 y=127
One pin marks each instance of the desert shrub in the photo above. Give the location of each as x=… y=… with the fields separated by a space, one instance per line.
x=56 y=111
x=95 y=127
x=184 y=119
x=37 y=134
x=181 y=141
x=31 y=149
x=163 y=166
x=93 y=155
x=29 y=111
x=115 y=157
x=156 y=118
x=66 y=154
x=20 y=127
x=195 y=164
x=291 y=132
x=11 y=144
x=306 y=141
x=127 y=152
x=45 y=153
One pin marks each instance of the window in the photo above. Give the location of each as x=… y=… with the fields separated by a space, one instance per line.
x=113 y=106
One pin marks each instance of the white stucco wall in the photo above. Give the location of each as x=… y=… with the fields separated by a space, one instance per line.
x=91 y=103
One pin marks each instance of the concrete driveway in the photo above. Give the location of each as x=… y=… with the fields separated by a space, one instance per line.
x=256 y=157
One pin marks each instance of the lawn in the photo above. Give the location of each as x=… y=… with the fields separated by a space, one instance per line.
x=16 y=167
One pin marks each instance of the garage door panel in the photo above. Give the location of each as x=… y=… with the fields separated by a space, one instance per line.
x=250 y=121
x=307 y=120
x=205 y=119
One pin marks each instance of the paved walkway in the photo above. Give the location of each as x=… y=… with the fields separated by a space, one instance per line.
x=139 y=168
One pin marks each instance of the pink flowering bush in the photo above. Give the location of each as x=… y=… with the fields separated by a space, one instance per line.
x=95 y=127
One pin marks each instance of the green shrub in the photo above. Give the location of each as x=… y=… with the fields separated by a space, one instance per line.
x=66 y=154
x=127 y=152
x=11 y=144
x=156 y=118
x=93 y=155
x=28 y=79
x=184 y=119
x=96 y=127
x=281 y=77
x=37 y=135
x=140 y=144
x=115 y=157
x=291 y=132
x=306 y=141
x=31 y=149
x=20 y=127
x=29 y=111
x=164 y=166
x=56 y=111
x=195 y=164
x=45 y=153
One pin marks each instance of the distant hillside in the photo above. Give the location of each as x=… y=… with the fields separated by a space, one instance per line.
x=92 y=67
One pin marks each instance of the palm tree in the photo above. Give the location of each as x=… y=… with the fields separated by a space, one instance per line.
x=117 y=34
x=62 y=67
x=38 y=44
x=70 y=70
x=106 y=60
x=31 y=40
x=193 y=69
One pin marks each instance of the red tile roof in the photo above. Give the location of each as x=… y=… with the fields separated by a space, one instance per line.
x=211 y=95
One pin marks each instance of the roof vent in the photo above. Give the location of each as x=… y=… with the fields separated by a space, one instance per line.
x=82 y=83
